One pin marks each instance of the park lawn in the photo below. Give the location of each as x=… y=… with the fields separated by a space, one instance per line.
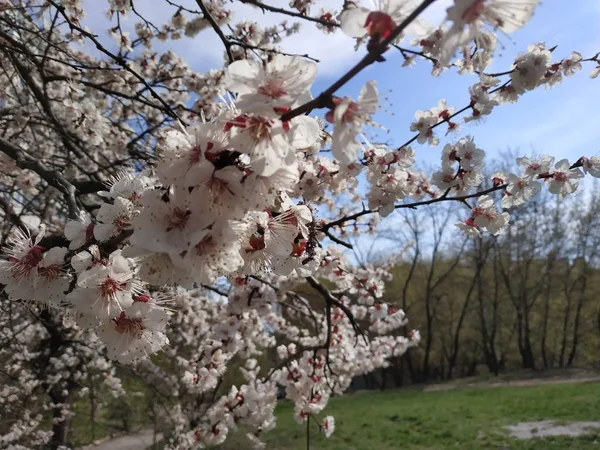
x=469 y=418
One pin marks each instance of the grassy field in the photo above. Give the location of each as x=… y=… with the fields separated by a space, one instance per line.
x=468 y=418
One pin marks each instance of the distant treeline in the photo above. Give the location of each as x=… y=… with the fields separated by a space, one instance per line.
x=526 y=300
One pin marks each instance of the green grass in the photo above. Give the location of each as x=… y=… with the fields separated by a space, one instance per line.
x=469 y=418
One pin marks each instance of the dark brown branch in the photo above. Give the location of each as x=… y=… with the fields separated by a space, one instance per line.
x=117 y=59
x=325 y=99
x=213 y=23
x=413 y=205
x=215 y=290
x=88 y=186
x=10 y=214
x=330 y=299
x=287 y=12
x=243 y=45
x=53 y=178
x=337 y=240
x=405 y=51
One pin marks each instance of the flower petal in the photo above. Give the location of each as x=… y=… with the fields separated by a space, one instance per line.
x=353 y=20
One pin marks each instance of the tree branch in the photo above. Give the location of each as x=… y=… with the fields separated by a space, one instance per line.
x=287 y=12
x=325 y=98
x=330 y=299
x=213 y=23
x=117 y=59
x=52 y=177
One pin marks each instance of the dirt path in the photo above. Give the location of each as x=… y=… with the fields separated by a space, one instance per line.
x=545 y=428
x=505 y=383
x=140 y=441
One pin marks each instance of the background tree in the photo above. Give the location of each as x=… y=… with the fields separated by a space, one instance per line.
x=138 y=193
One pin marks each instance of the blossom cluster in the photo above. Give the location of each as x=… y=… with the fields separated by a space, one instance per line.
x=199 y=251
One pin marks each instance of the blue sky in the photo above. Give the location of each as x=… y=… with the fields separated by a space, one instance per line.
x=561 y=121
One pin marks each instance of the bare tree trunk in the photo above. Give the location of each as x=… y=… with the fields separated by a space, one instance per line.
x=528 y=357
x=487 y=335
x=545 y=318
x=565 y=327
x=576 y=322
x=480 y=259
x=60 y=394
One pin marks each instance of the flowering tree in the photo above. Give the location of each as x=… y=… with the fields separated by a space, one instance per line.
x=149 y=208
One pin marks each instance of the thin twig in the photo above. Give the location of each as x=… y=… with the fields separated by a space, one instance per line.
x=325 y=98
x=52 y=177
x=287 y=12
x=413 y=205
x=243 y=45
x=329 y=297
x=215 y=290
x=117 y=59
x=213 y=23
x=336 y=239
x=10 y=214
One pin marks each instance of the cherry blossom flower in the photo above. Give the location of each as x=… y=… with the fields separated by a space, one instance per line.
x=519 y=190
x=263 y=138
x=348 y=118
x=328 y=426
x=264 y=238
x=128 y=185
x=19 y=271
x=158 y=269
x=387 y=187
x=253 y=233
x=485 y=216
x=564 y=180
x=572 y=64
x=530 y=69
x=79 y=231
x=284 y=81
x=213 y=251
x=470 y=156
x=167 y=221
x=591 y=166
x=482 y=102
x=445 y=179
x=298 y=263
x=51 y=281
x=378 y=22
x=87 y=258
x=535 y=167
x=470 y=16
x=378 y=311
x=283 y=230
x=270 y=143
x=103 y=291
x=424 y=120
x=295 y=215
x=260 y=192
x=469 y=228
x=112 y=219
x=186 y=157
x=135 y=332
